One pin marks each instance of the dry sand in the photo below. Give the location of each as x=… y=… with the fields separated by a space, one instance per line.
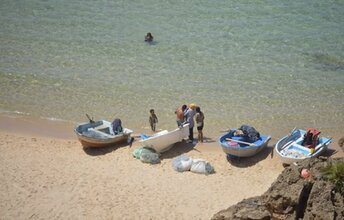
x=46 y=174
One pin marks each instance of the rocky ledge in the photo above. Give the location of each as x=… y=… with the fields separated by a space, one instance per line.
x=293 y=197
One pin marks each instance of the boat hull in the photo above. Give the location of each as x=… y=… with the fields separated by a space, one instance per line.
x=164 y=140
x=96 y=143
x=242 y=150
x=290 y=150
x=99 y=134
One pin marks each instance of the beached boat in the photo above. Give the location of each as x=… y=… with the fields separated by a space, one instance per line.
x=164 y=140
x=238 y=146
x=100 y=134
x=290 y=148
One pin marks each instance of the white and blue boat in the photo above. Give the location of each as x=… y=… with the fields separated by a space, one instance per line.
x=291 y=149
x=239 y=146
x=100 y=134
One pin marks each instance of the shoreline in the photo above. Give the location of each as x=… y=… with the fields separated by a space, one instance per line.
x=38 y=127
x=65 y=130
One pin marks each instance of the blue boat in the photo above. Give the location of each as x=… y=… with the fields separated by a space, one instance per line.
x=291 y=148
x=239 y=146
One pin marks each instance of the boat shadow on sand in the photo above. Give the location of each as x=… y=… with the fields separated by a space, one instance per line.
x=97 y=151
x=244 y=162
x=181 y=148
x=177 y=150
x=329 y=152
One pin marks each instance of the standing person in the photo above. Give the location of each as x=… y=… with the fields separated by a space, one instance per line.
x=180 y=115
x=153 y=119
x=200 y=123
x=189 y=114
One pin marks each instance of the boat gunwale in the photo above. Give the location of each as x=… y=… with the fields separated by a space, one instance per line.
x=225 y=145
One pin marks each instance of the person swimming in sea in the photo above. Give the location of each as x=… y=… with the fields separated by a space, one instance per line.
x=149 y=37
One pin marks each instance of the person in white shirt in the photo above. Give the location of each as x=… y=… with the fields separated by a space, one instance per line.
x=189 y=114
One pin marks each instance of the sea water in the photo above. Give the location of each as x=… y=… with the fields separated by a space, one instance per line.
x=272 y=64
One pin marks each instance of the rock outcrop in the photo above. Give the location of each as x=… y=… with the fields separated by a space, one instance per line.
x=293 y=197
x=341 y=143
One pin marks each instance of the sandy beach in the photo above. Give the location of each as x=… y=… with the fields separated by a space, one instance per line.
x=46 y=174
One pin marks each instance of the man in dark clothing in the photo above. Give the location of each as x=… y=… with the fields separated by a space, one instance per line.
x=117 y=126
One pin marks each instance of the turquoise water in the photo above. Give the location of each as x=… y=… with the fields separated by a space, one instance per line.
x=272 y=64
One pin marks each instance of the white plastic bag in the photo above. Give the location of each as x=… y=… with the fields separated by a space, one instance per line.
x=182 y=163
x=201 y=166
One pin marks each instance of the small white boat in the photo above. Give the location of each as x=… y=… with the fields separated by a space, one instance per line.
x=100 y=134
x=290 y=148
x=164 y=140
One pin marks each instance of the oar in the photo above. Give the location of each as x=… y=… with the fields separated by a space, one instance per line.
x=292 y=131
x=89 y=118
x=242 y=142
x=288 y=143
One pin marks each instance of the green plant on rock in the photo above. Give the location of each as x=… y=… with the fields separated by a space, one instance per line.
x=335 y=173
